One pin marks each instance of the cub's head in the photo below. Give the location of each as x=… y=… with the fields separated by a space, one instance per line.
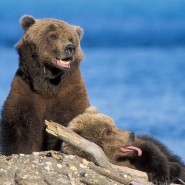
x=49 y=44
x=101 y=129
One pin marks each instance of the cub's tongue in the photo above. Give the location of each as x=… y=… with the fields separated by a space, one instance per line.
x=131 y=149
x=62 y=63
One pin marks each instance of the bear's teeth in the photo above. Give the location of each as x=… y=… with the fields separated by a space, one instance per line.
x=62 y=63
x=67 y=62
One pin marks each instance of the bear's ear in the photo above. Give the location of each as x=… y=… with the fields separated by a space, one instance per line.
x=79 y=31
x=92 y=110
x=27 y=22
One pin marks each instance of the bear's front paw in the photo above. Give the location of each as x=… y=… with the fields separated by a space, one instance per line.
x=159 y=178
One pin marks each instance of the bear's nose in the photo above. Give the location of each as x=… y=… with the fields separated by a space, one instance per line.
x=70 y=49
x=132 y=136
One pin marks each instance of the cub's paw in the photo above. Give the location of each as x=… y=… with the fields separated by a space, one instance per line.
x=159 y=178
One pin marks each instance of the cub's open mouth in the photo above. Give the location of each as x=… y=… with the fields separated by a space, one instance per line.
x=64 y=63
x=131 y=149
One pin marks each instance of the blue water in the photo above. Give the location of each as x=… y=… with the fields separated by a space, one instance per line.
x=134 y=59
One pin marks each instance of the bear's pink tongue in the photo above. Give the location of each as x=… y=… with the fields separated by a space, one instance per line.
x=62 y=63
x=132 y=148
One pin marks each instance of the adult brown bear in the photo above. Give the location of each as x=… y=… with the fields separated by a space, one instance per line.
x=47 y=85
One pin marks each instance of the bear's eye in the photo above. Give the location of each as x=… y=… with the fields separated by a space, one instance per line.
x=71 y=40
x=53 y=36
x=108 y=133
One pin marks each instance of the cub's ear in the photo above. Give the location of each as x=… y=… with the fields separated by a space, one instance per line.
x=27 y=21
x=92 y=110
x=79 y=31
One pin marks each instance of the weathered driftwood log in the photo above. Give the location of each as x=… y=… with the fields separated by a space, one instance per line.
x=74 y=139
x=91 y=148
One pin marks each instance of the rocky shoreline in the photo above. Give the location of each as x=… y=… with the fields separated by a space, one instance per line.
x=55 y=168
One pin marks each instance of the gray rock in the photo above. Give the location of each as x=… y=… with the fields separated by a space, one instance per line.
x=51 y=168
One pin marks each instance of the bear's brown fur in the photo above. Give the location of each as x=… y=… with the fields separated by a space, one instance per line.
x=47 y=85
x=122 y=148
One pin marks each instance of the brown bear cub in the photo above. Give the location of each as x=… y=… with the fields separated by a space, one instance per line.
x=47 y=85
x=122 y=148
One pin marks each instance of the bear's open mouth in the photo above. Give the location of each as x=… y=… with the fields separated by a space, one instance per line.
x=131 y=149
x=64 y=63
